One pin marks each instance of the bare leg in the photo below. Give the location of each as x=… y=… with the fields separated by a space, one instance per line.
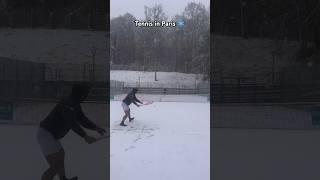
x=124 y=118
x=56 y=166
x=127 y=114
x=62 y=170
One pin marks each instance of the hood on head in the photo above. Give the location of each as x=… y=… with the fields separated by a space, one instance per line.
x=80 y=91
x=134 y=90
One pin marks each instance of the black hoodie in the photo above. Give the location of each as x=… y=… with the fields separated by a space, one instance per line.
x=67 y=115
x=131 y=98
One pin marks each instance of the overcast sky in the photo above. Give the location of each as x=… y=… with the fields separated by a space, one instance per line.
x=136 y=7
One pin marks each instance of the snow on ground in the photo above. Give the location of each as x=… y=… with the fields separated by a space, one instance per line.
x=53 y=46
x=21 y=156
x=277 y=115
x=165 y=79
x=167 y=140
x=256 y=154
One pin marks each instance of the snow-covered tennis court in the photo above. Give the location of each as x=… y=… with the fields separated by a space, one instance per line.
x=167 y=140
x=265 y=154
x=169 y=146
x=21 y=158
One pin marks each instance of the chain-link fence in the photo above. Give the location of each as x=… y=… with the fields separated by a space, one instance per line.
x=16 y=70
x=19 y=90
x=142 y=68
x=11 y=69
x=197 y=69
x=120 y=88
x=76 y=72
x=177 y=85
x=24 y=79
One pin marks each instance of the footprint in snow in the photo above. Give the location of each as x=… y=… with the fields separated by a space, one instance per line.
x=131 y=147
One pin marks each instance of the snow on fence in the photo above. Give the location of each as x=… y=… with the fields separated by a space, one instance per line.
x=142 y=68
x=120 y=87
x=176 y=85
x=164 y=94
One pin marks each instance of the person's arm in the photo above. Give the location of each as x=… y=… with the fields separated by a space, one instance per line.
x=136 y=99
x=68 y=114
x=132 y=99
x=77 y=129
x=85 y=122
x=134 y=102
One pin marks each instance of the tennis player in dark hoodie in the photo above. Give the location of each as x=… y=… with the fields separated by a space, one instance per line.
x=130 y=98
x=67 y=115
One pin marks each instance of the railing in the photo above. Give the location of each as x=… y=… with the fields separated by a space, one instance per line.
x=160 y=68
x=171 y=91
x=255 y=93
x=142 y=68
x=54 y=90
x=11 y=70
x=150 y=85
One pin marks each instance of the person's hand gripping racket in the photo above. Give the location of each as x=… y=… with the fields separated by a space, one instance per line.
x=90 y=139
